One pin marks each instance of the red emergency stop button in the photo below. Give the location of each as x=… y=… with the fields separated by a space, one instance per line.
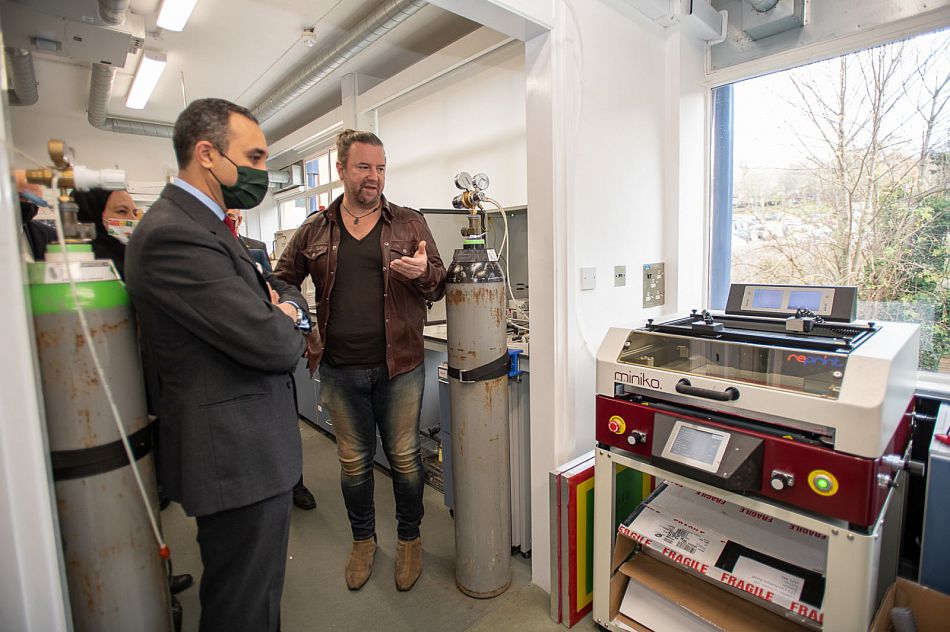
x=617 y=425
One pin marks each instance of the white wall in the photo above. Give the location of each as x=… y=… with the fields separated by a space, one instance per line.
x=615 y=112
x=471 y=120
x=142 y=158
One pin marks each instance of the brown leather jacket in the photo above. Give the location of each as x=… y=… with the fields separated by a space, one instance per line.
x=313 y=251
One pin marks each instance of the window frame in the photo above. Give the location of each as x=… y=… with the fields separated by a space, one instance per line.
x=324 y=150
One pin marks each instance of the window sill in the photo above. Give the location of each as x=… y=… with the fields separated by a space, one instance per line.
x=933 y=385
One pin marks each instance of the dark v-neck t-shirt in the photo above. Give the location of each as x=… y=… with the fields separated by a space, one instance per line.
x=356 y=330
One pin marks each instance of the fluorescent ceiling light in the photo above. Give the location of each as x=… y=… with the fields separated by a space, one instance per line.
x=150 y=69
x=175 y=14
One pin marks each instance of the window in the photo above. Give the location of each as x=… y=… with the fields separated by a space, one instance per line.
x=322 y=187
x=293 y=213
x=838 y=173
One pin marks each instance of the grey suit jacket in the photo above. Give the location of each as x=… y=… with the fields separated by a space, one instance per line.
x=222 y=354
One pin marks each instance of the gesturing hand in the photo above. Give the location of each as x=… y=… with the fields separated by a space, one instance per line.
x=412 y=267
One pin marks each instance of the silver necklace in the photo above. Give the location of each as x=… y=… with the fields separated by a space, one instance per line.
x=356 y=218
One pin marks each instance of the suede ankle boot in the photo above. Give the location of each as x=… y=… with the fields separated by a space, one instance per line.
x=408 y=563
x=360 y=565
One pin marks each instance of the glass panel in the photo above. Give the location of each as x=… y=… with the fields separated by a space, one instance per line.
x=335 y=193
x=790 y=370
x=313 y=173
x=268 y=219
x=332 y=166
x=293 y=213
x=326 y=173
x=323 y=200
x=843 y=183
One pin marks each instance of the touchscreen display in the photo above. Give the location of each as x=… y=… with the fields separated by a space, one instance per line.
x=696 y=444
x=804 y=299
x=767 y=299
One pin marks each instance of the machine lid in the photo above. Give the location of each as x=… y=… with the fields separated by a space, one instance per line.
x=773 y=332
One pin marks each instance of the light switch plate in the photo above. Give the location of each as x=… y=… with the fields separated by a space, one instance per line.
x=588 y=278
x=654 y=284
x=620 y=276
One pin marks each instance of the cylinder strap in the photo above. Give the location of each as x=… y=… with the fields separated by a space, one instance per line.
x=495 y=368
x=73 y=464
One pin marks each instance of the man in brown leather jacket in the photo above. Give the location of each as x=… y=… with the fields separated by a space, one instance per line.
x=374 y=266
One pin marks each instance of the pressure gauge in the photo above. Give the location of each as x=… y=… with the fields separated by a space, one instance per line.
x=481 y=181
x=463 y=181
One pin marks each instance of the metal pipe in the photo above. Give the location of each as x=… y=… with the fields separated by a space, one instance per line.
x=113 y=12
x=763 y=6
x=371 y=28
x=24 y=89
x=100 y=91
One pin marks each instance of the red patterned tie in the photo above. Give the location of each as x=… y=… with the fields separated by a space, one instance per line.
x=231 y=225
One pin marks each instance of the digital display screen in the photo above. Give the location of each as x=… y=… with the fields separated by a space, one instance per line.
x=696 y=444
x=767 y=299
x=804 y=299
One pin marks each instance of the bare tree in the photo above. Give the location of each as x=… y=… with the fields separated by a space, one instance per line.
x=870 y=174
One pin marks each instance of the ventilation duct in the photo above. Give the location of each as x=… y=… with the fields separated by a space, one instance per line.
x=100 y=91
x=24 y=89
x=382 y=20
x=113 y=12
x=371 y=28
x=765 y=18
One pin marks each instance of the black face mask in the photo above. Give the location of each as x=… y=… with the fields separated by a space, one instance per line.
x=248 y=191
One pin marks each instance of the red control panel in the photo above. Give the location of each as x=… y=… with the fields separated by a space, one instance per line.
x=798 y=473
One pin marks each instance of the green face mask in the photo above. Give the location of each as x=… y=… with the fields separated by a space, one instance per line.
x=248 y=191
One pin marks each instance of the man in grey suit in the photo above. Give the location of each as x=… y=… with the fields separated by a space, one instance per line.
x=303 y=498
x=224 y=342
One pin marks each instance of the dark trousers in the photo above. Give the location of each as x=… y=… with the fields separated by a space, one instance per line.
x=359 y=402
x=244 y=553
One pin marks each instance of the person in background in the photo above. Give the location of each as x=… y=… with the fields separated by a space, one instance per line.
x=303 y=499
x=114 y=215
x=37 y=234
x=225 y=343
x=374 y=266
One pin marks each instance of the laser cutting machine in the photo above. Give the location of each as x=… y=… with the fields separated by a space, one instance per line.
x=782 y=403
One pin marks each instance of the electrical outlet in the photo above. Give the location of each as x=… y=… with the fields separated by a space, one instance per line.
x=620 y=276
x=654 y=284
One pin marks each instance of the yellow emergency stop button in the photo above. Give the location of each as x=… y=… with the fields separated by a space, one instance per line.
x=823 y=482
x=617 y=425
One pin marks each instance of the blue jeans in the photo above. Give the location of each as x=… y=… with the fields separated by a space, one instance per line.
x=360 y=401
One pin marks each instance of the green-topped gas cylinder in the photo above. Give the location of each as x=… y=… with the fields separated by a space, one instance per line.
x=117 y=581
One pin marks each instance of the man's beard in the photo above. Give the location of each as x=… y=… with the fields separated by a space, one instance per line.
x=367 y=198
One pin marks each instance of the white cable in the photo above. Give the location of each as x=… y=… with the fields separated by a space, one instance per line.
x=84 y=324
x=504 y=244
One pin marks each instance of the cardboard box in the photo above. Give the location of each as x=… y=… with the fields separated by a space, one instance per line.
x=931 y=609
x=705 y=606
x=766 y=560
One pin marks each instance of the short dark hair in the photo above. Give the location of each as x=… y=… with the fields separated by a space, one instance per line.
x=349 y=136
x=204 y=119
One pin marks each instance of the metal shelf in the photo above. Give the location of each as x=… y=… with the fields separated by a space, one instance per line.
x=854 y=557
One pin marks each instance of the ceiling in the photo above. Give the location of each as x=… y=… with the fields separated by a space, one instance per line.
x=241 y=50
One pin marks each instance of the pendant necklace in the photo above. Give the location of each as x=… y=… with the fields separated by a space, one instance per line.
x=356 y=218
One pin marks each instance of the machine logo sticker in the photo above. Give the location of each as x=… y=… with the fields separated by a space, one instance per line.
x=639 y=380
x=809 y=360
